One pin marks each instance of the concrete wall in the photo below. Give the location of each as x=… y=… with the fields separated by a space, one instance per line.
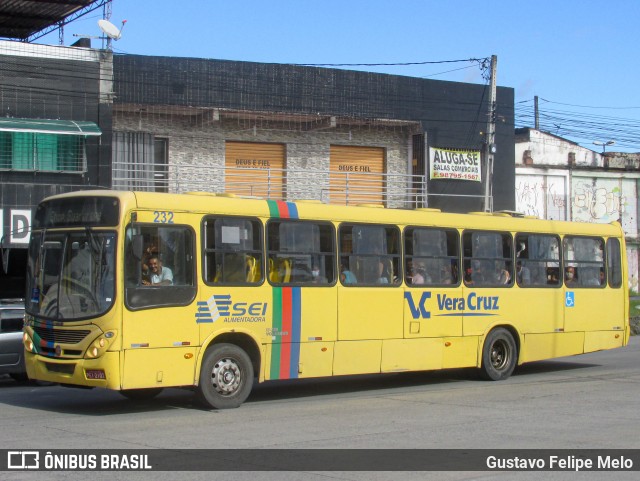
x=451 y=114
x=197 y=153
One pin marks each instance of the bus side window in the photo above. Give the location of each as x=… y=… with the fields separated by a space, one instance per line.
x=584 y=261
x=370 y=255
x=614 y=264
x=165 y=275
x=488 y=258
x=537 y=260
x=232 y=250
x=301 y=252
x=431 y=256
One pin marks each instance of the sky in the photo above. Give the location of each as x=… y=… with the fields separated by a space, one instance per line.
x=580 y=57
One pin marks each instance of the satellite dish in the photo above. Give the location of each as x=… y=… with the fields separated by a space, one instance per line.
x=110 y=30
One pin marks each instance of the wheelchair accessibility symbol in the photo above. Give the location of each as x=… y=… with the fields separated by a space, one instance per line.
x=569 y=299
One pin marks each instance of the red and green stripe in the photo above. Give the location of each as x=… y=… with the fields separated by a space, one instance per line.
x=283 y=210
x=286 y=318
x=286 y=323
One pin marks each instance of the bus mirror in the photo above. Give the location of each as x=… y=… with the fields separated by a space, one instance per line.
x=137 y=245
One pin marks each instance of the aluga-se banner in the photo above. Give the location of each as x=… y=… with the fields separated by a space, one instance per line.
x=458 y=164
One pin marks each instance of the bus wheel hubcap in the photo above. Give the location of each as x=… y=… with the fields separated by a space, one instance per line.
x=226 y=376
x=499 y=355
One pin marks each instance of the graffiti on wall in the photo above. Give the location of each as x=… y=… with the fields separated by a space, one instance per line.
x=532 y=198
x=557 y=201
x=528 y=198
x=597 y=203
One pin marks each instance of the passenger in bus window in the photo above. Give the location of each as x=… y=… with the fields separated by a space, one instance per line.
x=570 y=276
x=382 y=274
x=477 y=274
x=594 y=280
x=419 y=275
x=523 y=275
x=150 y=251
x=468 y=276
x=346 y=276
x=522 y=253
x=445 y=275
x=316 y=278
x=502 y=275
x=160 y=275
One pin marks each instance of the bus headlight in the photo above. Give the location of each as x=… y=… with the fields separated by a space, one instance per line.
x=100 y=345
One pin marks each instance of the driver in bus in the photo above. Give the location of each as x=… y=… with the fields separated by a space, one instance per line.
x=159 y=275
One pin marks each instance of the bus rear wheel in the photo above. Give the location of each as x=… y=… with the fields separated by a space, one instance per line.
x=226 y=377
x=499 y=355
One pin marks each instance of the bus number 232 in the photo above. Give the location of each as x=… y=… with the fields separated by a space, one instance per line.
x=162 y=217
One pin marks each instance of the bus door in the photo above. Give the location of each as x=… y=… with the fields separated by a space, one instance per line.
x=593 y=298
x=433 y=299
x=433 y=304
x=159 y=329
x=301 y=269
x=368 y=317
x=370 y=299
x=539 y=285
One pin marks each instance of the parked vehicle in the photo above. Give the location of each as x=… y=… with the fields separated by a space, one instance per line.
x=11 y=346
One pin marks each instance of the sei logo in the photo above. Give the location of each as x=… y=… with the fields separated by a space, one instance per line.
x=218 y=306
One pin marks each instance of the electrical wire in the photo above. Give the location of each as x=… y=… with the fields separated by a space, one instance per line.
x=580 y=126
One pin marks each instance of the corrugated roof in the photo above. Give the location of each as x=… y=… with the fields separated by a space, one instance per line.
x=23 y=19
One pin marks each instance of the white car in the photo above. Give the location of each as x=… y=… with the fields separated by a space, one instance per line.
x=11 y=347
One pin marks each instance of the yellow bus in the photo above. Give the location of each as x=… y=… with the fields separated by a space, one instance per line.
x=138 y=291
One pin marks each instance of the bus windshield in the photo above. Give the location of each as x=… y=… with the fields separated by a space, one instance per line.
x=70 y=274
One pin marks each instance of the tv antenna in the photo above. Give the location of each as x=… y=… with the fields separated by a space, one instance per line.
x=111 y=31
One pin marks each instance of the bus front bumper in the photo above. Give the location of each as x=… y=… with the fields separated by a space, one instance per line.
x=101 y=372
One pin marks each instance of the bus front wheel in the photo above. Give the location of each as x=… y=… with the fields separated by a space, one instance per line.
x=499 y=355
x=226 y=377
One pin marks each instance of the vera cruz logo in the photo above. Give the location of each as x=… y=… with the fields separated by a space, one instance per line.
x=472 y=305
x=420 y=310
x=221 y=305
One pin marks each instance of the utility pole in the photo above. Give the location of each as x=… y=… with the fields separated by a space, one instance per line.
x=490 y=145
x=536 y=112
x=107 y=16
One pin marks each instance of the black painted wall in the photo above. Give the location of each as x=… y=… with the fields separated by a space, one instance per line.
x=43 y=88
x=452 y=114
x=48 y=88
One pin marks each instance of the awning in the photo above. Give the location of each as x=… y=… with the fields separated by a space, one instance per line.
x=45 y=126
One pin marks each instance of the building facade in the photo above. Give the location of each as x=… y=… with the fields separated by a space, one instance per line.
x=558 y=179
x=297 y=132
x=268 y=130
x=55 y=136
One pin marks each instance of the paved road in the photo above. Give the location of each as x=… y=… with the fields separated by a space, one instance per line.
x=588 y=401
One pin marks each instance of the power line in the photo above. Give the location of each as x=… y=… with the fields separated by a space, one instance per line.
x=582 y=126
x=481 y=61
x=588 y=106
